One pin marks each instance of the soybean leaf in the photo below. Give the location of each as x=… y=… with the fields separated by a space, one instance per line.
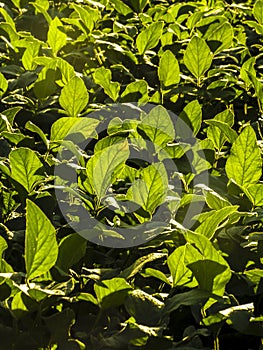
x=205 y=271
x=192 y=117
x=197 y=57
x=121 y=7
x=149 y=37
x=41 y=248
x=168 y=70
x=3 y=85
x=210 y=225
x=150 y=191
x=28 y=58
x=145 y=308
x=11 y=113
x=112 y=292
x=220 y=133
x=71 y=249
x=26 y=168
x=248 y=66
x=202 y=249
x=74 y=97
x=67 y=127
x=158 y=126
x=34 y=128
x=103 y=165
x=228 y=133
x=255 y=194
x=55 y=37
x=139 y=264
x=258 y=11
x=102 y=77
x=180 y=273
x=193 y=297
x=220 y=37
x=136 y=91
x=244 y=164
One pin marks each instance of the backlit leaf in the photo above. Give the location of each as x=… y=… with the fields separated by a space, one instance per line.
x=197 y=57
x=74 y=97
x=244 y=164
x=149 y=37
x=41 y=248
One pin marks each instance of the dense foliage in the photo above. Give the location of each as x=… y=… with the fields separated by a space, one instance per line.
x=193 y=286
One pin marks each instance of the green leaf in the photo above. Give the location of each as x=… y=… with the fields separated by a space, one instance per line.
x=71 y=249
x=74 y=97
x=257 y=85
x=193 y=297
x=102 y=77
x=158 y=126
x=34 y=128
x=209 y=226
x=103 y=165
x=29 y=56
x=228 y=133
x=168 y=70
x=146 y=309
x=136 y=91
x=139 y=264
x=121 y=7
x=112 y=292
x=67 y=128
x=3 y=85
x=56 y=39
x=220 y=37
x=197 y=57
x=45 y=85
x=87 y=15
x=26 y=168
x=255 y=194
x=244 y=164
x=201 y=248
x=258 y=11
x=149 y=37
x=149 y=272
x=248 y=66
x=41 y=248
x=220 y=133
x=214 y=200
x=205 y=271
x=150 y=191
x=3 y=246
x=192 y=117
x=10 y=114
x=181 y=274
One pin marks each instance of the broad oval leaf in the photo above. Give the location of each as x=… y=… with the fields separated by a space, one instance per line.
x=74 y=97
x=198 y=57
x=55 y=37
x=66 y=127
x=150 y=191
x=244 y=164
x=103 y=165
x=258 y=11
x=219 y=133
x=71 y=249
x=255 y=194
x=26 y=168
x=158 y=126
x=41 y=250
x=168 y=70
x=149 y=37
